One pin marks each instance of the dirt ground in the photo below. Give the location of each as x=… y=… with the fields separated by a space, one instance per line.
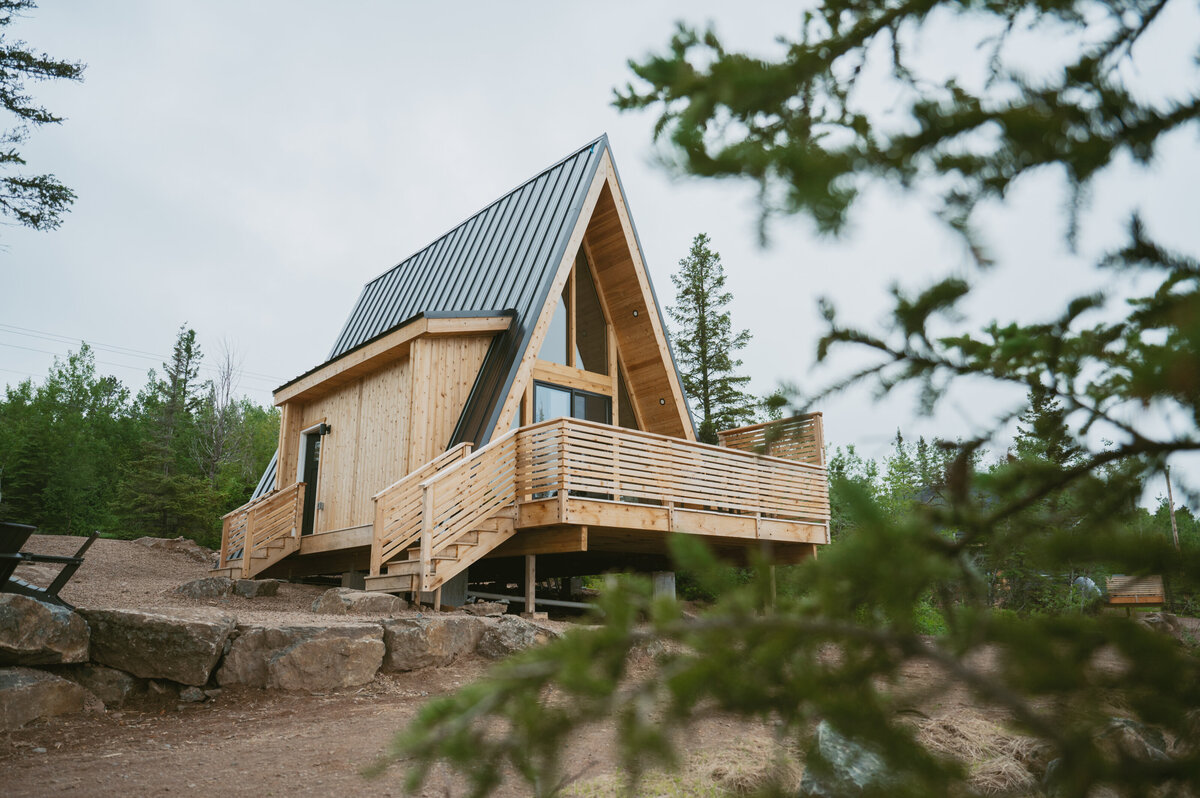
x=264 y=743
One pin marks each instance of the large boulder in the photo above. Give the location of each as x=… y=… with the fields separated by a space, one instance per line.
x=110 y=685
x=347 y=601
x=312 y=657
x=510 y=634
x=485 y=609
x=425 y=640
x=35 y=632
x=253 y=588
x=180 y=545
x=209 y=587
x=178 y=644
x=27 y=694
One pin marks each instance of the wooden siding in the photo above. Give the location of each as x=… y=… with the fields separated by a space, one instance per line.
x=444 y=370
x=396 y=417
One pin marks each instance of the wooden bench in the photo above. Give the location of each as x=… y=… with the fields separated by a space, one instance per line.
x=1134 y=591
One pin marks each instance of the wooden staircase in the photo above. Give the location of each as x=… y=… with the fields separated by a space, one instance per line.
x=404 y=574
x=259 y=534
x=437 y=521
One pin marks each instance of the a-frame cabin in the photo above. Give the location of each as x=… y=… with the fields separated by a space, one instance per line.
x=509 y=392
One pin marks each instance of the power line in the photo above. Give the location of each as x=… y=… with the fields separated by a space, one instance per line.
x=121 y=350
x=138 y=369
x=142 y=369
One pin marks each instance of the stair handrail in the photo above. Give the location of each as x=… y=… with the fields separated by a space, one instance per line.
x=387 y=540
x=460 y=511
x=258 y=523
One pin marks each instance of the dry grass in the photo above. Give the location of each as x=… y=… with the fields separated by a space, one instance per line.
x=998 y=760
x=741 y=771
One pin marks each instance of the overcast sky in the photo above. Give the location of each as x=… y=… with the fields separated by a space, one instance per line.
x=245 y=167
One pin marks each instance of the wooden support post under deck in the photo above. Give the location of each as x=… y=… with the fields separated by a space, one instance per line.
x=530 y=582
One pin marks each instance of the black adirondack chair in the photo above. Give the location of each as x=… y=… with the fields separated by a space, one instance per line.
x=12 y=538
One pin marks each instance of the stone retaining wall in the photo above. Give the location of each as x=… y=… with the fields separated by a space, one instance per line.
x=60 y=661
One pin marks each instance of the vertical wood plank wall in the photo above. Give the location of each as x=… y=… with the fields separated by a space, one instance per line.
x=444 y=369
x=383 y=425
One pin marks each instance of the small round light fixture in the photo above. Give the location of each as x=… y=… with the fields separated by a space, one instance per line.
x=635 y=314
x=662 y=401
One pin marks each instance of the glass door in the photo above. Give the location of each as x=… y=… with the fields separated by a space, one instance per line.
x=311 y=443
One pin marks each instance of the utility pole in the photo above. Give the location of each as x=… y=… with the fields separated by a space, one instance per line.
x=1171 y=507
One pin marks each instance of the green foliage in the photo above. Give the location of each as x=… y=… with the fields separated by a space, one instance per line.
x=838 y=650
x=78 y=454
x=705 y=343
x=36 y=201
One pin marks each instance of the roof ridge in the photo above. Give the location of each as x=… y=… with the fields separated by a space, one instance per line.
x=603 y=137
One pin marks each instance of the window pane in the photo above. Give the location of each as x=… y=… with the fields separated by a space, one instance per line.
x=549 y=402
x=591 y=407
x=554 y=348
x=591 y=333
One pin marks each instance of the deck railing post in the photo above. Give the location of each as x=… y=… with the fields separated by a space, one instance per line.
x=563 y=432
x=248 y=544
x=426 y=535
x=377 y=538
x=225 y=524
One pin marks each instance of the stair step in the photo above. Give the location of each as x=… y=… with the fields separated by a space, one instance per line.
x=404 y=568
x=390 y=582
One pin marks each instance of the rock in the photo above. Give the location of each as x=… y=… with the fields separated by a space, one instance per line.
x=192 y=695
x=27 y=694
x=346 y=601
x=209 y=587
x=1163 y=622
x=841 y=767
x=111 y=686
x=313 y=657
x=213 y=694
x=35 y=632
x=253 y=588
x=485 y=608
x=181 y=645
x=510 y=634
x=180 y=545
x=424 y=641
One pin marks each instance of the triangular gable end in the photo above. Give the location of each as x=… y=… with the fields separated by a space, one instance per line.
x=604 y=230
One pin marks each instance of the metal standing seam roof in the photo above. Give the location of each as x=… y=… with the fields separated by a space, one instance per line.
x=505 y=256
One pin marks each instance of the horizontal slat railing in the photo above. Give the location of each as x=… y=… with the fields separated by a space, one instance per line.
x=456 y=493
x=464 y=495
x=398 y=509
x=250 y=529
x=602 y=461
x=800 y=438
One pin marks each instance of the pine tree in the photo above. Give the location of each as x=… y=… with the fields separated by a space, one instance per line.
x=165 y=492
x=36 y=201
x=705 y=343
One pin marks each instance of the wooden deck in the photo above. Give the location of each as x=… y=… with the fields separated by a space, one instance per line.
x=562 y=486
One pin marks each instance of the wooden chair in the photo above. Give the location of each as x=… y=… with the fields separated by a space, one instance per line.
x=12 y=538
x=1134 y=591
